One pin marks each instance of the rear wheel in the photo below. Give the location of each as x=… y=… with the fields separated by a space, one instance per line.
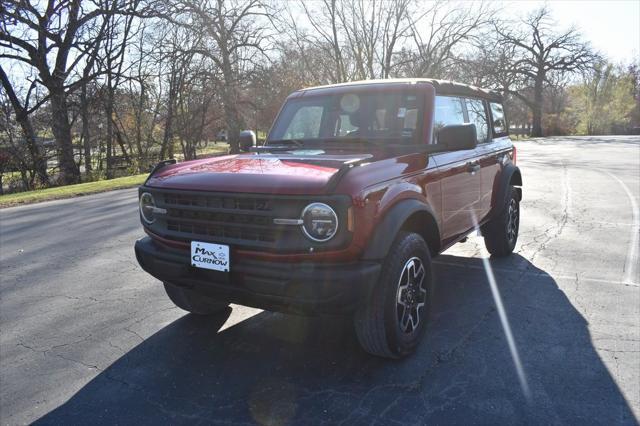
x=193 y=302
x=501 y=233
x=391 y=323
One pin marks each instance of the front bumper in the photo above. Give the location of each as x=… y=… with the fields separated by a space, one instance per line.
x=304 y=288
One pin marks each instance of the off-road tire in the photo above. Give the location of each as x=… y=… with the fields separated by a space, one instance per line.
x=193 y=302
x=501 y=233
x=377 y=321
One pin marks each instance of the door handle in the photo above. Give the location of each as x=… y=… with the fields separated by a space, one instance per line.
x=473 y=168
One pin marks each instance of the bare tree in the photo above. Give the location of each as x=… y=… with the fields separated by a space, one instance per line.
x=439 y=34
x=538 y=53
x=373 y=31
x=324 y=37
x=39 y=163
x=118 y=33
x=55 y=38
x=359 y=39
x=236 y=33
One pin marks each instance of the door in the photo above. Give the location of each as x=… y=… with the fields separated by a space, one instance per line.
x=488 y=158
x=459 y=173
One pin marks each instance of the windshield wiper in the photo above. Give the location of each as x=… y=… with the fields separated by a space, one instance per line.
x=299 y=143
x=279 y=145
x=353 y=140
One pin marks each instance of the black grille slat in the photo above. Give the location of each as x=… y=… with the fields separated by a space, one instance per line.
x=260 y=222
x=217 y=202
x=221 y=231
x=220 y=210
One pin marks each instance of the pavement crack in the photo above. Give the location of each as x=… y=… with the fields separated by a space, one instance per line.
x=134 y=333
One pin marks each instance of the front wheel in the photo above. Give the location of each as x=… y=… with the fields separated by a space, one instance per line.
x=193 y=302
x=501 y=232
x=392 y=321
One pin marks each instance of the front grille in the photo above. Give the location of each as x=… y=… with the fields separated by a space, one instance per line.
x=220 y=202
x=241 y=220
x=221 y=229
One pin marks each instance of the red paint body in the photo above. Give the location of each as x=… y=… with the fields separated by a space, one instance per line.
x=384 y=177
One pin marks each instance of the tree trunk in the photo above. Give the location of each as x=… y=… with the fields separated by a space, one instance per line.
x=109 y=114
x=167 y=140
x=69 y=172
x=38 y=161
x=121 y=144
x=139 y=112
x=233 y=120
x=537 y=108
x=86 y=137
x=230 y=99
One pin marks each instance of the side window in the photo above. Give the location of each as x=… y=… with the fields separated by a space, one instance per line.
x=448 y=111
x=499 y=122
x=305 y=123
x=478 y=116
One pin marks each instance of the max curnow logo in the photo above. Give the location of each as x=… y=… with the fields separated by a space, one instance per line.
x=205 y=256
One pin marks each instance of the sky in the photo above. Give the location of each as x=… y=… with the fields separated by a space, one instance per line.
x=612 y=26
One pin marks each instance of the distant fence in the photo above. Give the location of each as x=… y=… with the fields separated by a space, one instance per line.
x=520 y=131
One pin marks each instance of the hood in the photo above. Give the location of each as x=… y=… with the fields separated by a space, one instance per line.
x=295 y=172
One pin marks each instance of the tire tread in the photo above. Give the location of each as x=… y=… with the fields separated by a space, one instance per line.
x=494 y=232
x=370 y=318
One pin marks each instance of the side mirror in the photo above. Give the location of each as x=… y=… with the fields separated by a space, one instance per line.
x=457 y=137
x=247 y=140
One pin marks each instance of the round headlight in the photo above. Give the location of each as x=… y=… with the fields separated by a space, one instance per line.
x=319 y=222
x=147 y=205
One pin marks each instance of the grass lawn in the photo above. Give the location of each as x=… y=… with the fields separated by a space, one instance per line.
x=70 y=190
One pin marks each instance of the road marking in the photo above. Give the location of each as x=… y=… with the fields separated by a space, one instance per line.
x=632 y=255
x=536 y=274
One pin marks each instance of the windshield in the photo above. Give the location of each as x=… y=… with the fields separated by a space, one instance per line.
x=347 y=117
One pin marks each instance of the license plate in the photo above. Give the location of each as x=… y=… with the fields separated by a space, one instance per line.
x=210 y=256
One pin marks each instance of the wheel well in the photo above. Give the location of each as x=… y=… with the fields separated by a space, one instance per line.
x=516 y=180
x=424 y=224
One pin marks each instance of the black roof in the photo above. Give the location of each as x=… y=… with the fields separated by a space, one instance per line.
x=443 y=87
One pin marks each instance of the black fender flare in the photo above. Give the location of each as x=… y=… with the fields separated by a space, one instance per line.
x=394 y=220
x=510 y=176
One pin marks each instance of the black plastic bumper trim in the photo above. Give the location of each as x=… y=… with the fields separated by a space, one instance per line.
x=304 y=288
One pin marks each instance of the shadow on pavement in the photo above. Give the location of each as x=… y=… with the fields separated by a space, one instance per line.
x=277 y=369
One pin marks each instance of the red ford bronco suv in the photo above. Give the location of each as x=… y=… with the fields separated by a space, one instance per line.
x=356 y=188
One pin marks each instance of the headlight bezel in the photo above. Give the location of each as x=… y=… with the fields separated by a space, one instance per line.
x=309 y=234
x=142 y=207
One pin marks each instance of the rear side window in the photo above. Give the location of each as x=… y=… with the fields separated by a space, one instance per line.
x=478 y=116
x=498 y=120
x=449 y=111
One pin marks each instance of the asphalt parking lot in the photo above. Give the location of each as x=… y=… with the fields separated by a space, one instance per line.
x=87 y=337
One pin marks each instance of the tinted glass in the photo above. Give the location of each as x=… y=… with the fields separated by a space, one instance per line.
x=385 y=116
x=448 y=111
x=499 y=122
x=478 y=116
x=305 y=123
